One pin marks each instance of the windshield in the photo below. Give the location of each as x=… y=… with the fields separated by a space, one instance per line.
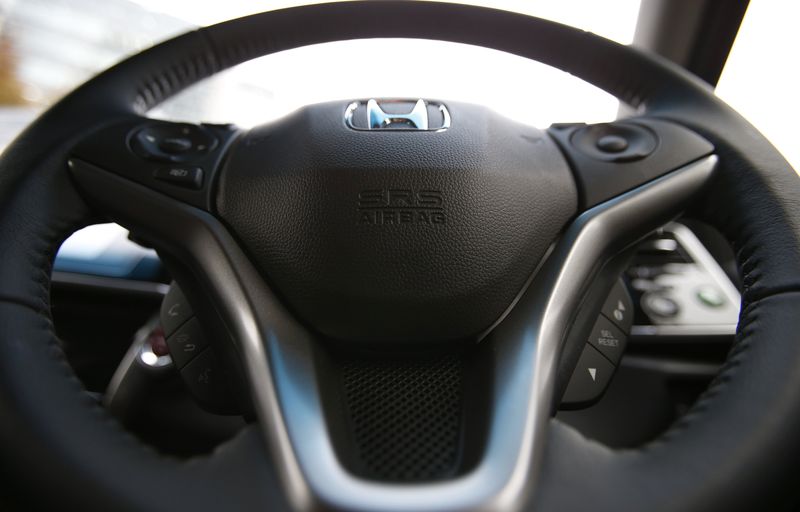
x=48 y=47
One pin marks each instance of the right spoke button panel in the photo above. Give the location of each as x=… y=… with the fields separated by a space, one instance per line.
x=618 y=308
x=590 y=378
x=608 y=339
x=603 y=350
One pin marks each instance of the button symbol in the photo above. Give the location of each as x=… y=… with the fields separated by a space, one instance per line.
x=205 y=377
x=607 y=339
x=593 y=373
x=189 y=347
x=619 y=311
x=174 y=310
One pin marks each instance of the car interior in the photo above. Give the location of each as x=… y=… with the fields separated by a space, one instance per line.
x=395 y=303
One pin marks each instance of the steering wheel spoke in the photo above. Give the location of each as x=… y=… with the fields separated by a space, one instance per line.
x=351 y=273
x=179 y=160
x=611 y=158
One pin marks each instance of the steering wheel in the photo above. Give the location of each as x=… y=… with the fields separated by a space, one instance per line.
x=295 y=242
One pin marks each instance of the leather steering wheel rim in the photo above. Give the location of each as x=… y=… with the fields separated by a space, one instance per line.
x=715 y=457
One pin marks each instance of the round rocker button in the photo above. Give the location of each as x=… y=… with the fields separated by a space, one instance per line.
x=175 y=145
x=615 y=142
x=612 y=143
x=171 y=142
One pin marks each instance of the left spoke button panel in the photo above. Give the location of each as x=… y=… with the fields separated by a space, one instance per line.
x=175 y=310
x=177 y=159
x=185 y=343
x=200 y=369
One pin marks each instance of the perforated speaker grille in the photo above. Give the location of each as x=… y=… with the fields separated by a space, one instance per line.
x=406 y=417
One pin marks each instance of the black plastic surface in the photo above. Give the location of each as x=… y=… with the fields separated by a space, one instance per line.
x=175 y=310
x=183 y=176
x=608 y=339
x=206 y=380
x=619 y=307
x=592 y=328
x=172 y=142
x=614 y=142
x=396 y=236
x=185 y=343
x=147 y=151
x=591 y=377
x=654 y=148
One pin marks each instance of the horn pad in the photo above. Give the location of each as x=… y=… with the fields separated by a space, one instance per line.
x=396 y=236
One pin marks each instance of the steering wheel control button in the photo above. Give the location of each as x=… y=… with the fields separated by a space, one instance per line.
x=179 y=160
x=612 y=158
x=589 y=380
x=188 y=177
x=175 y=145
x=172 y=142
x=205 y=380
x=619 y=307
x=175 y=310
x=612 y=144
x=186 y=342
x=615 y=142
x=608 y=339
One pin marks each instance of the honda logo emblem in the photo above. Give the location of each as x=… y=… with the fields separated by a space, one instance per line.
x=397 y=115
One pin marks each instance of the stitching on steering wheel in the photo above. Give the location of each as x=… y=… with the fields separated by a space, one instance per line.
x=176 y=76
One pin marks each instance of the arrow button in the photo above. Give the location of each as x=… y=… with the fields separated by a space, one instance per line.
x=589 y=380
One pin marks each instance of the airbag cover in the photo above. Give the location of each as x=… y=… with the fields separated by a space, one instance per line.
x=396 y=236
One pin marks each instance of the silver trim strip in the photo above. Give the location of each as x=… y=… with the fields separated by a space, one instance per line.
x=655 y=331
x=278 y=359
x=113 y=284
x=139 y=353
x=672 y=366
x=528 y=344
x=723 y=322
x=702 y=257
